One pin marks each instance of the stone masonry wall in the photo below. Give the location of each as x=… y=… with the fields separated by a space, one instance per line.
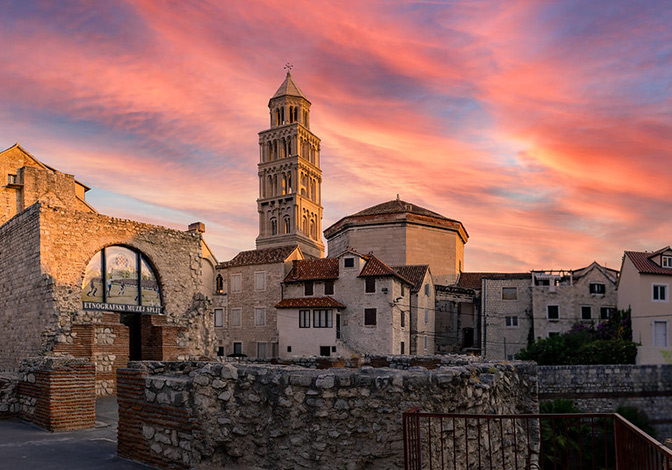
x=57 y=394
x=213 y=415
x=9 y=395
x=603 y=388
x=25 y=292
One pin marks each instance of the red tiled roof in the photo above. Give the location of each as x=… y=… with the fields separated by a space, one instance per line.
x=414 y=273
x=313 y=269
x=643 y=263
x=473 y=280
x=376 y=268
x=264 y=256
x=310 y=302
x=398 y=206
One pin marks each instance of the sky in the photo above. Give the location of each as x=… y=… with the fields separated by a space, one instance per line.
x=544 y=127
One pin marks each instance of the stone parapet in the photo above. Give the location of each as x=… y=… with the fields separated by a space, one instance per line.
x=603 y=388
x=207 y=414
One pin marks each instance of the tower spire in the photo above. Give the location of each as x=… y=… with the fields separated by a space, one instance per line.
x=290 y=178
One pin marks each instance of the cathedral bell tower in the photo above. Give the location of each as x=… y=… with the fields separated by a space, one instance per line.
x=290 y=178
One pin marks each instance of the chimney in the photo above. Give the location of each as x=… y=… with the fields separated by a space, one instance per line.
x=197 y=227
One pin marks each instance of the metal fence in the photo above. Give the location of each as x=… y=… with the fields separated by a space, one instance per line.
x=597 y=441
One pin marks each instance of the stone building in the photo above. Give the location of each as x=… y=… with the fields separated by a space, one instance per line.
x=350 y=304
x=517 y=307
x=644 y=287
x=75 y=282
x=401 y=233
x=248 y=289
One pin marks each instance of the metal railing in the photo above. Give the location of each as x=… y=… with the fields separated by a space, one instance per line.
x=597 y=441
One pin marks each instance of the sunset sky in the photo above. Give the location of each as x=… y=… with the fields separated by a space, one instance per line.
x=545 y=127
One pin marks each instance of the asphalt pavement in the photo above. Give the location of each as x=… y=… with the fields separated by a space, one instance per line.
x=24 y=446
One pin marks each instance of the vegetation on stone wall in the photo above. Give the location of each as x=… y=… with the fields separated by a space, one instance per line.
x=609 y=342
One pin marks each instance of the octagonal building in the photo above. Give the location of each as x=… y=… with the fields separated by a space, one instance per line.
x=402 y=233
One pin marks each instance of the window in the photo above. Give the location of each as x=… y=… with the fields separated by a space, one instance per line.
x=370 y=285
x=606 y=312
x=236 y=283
x=660 y=292
x=260 y=280
x=304 y=318
x=509 y=293
x=289 y=349
x=586 y=312
x=219 y=317
x=427 y=289
x=220 y=351
x=425 y=341
x=349 y=262
x=552 y=312
x=511 y=322
x=262 y=350
x=597 y=288
x=123 y=279
x=403 y=290
x=667 y=261
x=325 y=351
x=236 y=316
x=238 y=348
x=403 y=319
x=288 y=227
x=370 y=316
x=426 y=315
x=660 y=333
x=328 y=287
x=322 y=319
x=11 y=179
x=259 y=316
x=219 y=284
x=274 y=227
x=403 y=348
x=308 y=288
x=552 y=334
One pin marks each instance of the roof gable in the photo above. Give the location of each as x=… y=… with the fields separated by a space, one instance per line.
x=643 y=262
x=374 y=267
x=413 y=273
x=263 y=256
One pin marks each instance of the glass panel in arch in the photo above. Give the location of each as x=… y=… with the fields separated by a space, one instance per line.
x=121 y=266
x=151 y=296
x=92 y=285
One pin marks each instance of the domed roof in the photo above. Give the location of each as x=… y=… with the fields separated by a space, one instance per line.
x=397 y=206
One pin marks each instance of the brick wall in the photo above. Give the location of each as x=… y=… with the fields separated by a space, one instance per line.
x=216 y=415
x=604 y=388
x=58 y=394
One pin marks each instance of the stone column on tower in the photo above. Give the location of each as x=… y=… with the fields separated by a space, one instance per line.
x=290 y=178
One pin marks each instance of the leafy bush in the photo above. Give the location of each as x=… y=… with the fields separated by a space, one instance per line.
x=608 y=343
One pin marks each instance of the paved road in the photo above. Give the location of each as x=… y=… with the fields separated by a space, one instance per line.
x=24 y=446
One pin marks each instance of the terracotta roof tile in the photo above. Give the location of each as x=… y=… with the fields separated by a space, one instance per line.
x=310 y=302
x=398 y=206
x=643 y=263
x=414 y=273
x=313 y=269
x=473 y=280
x=264 y=256
x=374 y=267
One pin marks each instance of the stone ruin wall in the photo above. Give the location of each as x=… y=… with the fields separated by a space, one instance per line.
x=603 y=388
x=212 y=415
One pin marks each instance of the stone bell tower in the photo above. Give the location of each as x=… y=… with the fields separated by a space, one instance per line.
x=290 y=178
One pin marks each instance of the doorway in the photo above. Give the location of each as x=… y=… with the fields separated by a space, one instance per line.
x=132 y=321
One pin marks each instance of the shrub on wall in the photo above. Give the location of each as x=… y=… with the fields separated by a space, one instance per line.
x=609 y=342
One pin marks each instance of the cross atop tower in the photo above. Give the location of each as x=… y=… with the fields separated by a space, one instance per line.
x=288 y=67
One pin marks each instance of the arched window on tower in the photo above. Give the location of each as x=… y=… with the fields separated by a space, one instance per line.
x=313 y=230
x=305 y=226
x=284 y=184
x=270 y=151
x=289 y=183
x=274 y=226
x=219 y=284
x=282 y=115
x=296 y=114
x=312 y=189
x=288 y=227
